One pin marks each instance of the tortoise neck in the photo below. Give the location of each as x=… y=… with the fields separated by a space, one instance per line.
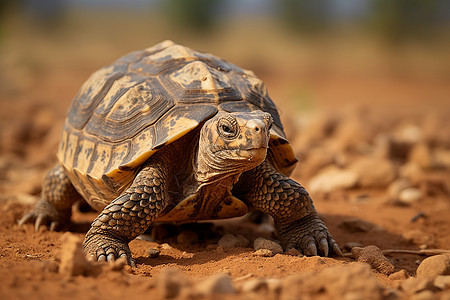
x=214 y=182
x=209 y=169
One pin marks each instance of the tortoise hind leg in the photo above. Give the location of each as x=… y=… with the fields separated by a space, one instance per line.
x=57 y=197
x=127 y=217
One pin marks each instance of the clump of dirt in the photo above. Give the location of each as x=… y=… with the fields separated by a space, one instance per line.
x=374 y=257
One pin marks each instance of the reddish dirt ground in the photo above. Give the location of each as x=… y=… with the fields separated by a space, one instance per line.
x=405 y=140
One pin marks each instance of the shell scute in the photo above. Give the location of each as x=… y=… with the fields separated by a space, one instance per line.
x=90 y=95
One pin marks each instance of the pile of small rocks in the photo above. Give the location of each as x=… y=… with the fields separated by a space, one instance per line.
x=354 y=149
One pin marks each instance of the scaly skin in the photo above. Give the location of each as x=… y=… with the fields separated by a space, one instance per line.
x=291 y=207
x=127 y=217
x=54 y=208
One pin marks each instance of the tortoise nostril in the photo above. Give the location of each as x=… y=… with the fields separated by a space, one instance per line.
x=256 y=125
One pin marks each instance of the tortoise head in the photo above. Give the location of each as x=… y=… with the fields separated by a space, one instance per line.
x=232 y=143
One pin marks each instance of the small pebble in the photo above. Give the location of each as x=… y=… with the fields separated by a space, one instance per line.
x=397 y=186
x=220 y=250
x=434 y=266
x=229 y=240
x=332 y=178
x=263 y=253
x=409 y=196
x=262 y=243
x=153 y=252
x=165 y=246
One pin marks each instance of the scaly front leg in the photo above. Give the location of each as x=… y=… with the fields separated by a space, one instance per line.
x=291 y=207
x=127 y=217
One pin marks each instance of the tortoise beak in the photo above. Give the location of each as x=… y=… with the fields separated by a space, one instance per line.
x=255 y=154
x=259 y=132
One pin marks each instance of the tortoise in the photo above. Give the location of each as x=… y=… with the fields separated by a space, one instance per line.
x=171 y=134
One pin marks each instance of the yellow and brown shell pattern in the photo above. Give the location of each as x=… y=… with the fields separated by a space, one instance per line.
x=127 y=111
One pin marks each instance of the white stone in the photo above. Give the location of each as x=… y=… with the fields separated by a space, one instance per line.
x=397 y=186
x=331 y=179
x=409 y=195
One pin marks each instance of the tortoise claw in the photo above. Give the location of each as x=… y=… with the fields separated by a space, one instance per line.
x=336 y=249
x=28 y=218
x=91 y=257
x=312 y=249
x=45 y=214
x=111 y=257
x=40 y=220
x=101 y=258
x=54 y=225
x=323 y=246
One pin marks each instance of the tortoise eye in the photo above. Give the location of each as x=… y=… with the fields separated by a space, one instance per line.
x=227 y=127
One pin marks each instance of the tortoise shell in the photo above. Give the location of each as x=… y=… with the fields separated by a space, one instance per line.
x=127 y=111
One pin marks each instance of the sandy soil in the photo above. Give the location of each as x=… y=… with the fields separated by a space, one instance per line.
x=384 y=147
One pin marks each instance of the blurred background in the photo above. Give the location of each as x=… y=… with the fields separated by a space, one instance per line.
x=323 y=61
x=306 y=51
